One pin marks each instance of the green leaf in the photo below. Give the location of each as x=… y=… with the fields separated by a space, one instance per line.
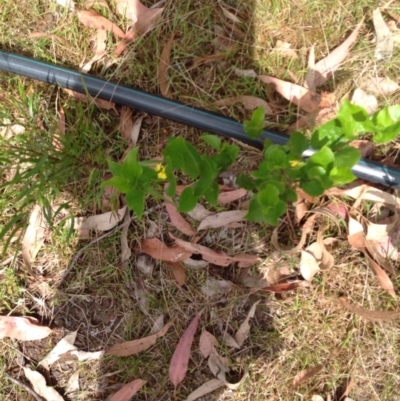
x=386 y=117
x=212 y=140
x=354 y=119
x=341 y=175
x=276 y=157
x=175 y=150
x=192 y=160
x=258 y=116
x=115 y=168
x=317 y=172
x=291 y=194
x=208 y=173
x=268 y=196
x=324 y=157
x=273 y=213
x=135 y=201
x=298 y=143
x=244 y=181
x=227 y=156
x=330 y=133
x=212 y=194
x=131 y=169
x=120 y=183
x=169 y=171
x=387 y=134
x=313 y=187
x=188 y=200
x=255 y=211
x=347 y=157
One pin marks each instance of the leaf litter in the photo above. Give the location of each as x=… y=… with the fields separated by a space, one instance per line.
x=22 y=328
x=374 y=315
x=39 y=385
x=244 y=329
x=128 y=391
x=306 y=374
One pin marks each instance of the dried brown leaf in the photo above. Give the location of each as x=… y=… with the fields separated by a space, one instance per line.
x=379 y=86
x=374 y=315
x=324 y=68
x=34 y=236
x=206 y=343
x=384 y=41
x=199 y=213
x=363 y=99
x=100 y=46
x=128 y=391
x=308 y=265
x=40 y=387
x=163 y=65
x=126 y=122
x=284 y=287
x=130 y=36
x=249 y=103
x=65 y=345
x=285 y=49
x=100 y=222
x=383 y=278
x=92 y=19
x=180 y=359
x=244 y=329
x=214 y=287
x=306 y=374
x=158 y=250
x=230 y=15
x=356 y=236
x=128 y=348
x=178 y=271
x=222 y=219
x=204 y=389
x=22 y=328
x=318 y=250
x=364 y=146
x=231 y=196
x=100 y=103
x=219 y=258
x=307 y=100
x=178 y=221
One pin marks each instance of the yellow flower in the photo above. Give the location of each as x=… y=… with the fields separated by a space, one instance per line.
x=294 y=163
x=160 y=169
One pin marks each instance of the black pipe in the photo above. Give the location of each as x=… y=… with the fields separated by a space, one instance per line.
x=169 y=109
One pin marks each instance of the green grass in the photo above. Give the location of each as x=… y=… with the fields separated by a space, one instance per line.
x=289 y=332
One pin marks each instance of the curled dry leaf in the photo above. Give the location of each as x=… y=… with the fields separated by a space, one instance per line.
x=199 y=213
x=92 y=19
x=178 y=221
x=308 y=265
x=207 y=343
x=73 y=384
x=219 y=258
x=178 y=271
x=222 y=219
x=284 y=287
x=214 y=287
x=87 y=356
x=379 y=86
x=204 y=389
x=306 y=374
x=163 y=67
x=321 y=255
x=22 y=328
x=382 y=276
x=128 y=391
x=374 y=315
x=100 y=45
x=231 y=196
x=307 y=100
x=34 y=236
x=65 y=345
x=363 y=99
x=180 y=359
x=244 y=329
x=158 y=250
x=40 y=387
x=100 y=222
x=249 y=102
x=384 y=41
x=128 y=348
x=324 y=68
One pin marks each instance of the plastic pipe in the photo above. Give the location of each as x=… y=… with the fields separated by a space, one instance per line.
x=169 y=109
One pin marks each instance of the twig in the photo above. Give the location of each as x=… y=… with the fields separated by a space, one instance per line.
x=25 y=387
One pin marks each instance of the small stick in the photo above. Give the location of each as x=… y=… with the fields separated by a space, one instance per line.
x=25 y=387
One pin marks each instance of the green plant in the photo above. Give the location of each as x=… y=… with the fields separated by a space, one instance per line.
x=282 y=169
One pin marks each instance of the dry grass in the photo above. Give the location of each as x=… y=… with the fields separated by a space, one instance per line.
x=107 y=302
